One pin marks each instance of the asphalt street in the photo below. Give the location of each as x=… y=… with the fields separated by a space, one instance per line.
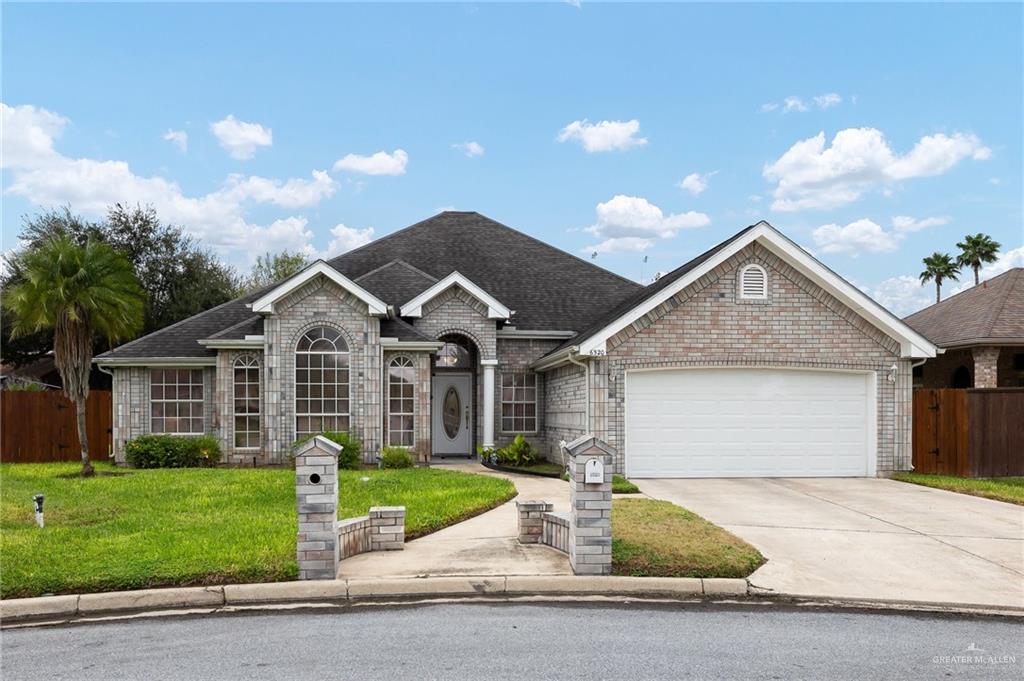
x=515 y=641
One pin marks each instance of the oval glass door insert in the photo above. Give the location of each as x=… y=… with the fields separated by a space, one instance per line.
x=451 y=416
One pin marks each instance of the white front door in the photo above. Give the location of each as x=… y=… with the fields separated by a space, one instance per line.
x=756 y=422
x=452 y=414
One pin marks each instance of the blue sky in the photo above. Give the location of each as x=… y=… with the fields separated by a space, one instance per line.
x=873 y=135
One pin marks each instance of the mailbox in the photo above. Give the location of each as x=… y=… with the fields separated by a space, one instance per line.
x=594 y=472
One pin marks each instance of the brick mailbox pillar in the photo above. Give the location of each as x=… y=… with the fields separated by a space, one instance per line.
x=316 y=497
x=590 y=513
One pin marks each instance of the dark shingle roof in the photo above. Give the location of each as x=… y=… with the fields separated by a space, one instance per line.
x=646 y=292
x=548 y=288
x=402 y=330
x=992 y=311
x=253 y=326
x=396 y=282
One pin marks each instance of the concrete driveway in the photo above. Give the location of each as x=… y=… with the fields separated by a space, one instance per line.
x=866 y=537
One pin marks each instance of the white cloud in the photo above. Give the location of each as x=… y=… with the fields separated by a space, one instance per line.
x=241 y=139
x=347 y=238
x=813 y=175
x=178 y=138
x=860 y=236
x=381 y=163
x=768 y=107
x=828 y=100
x=45 y=177
x=1006 y=261
x=695 y=183
x=903 y=295
x=905 y=224
x=793 y=104
x=604 y=135
x=632 y=223
x=470 y=149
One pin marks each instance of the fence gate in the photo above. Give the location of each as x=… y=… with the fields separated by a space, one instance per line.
x=42 y=426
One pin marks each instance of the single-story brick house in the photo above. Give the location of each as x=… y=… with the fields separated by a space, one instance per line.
x=753 y=359
x=981 y=331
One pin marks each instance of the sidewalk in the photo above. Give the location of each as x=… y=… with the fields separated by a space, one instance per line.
x=485 y=545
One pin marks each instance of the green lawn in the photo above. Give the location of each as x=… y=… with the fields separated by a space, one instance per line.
x=1001 y=489
x=659 y=539
x=148 y=528
x=621 y=485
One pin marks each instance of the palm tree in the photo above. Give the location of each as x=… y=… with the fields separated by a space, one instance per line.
x=939 y=266
x=977 y=250
x=77 y=291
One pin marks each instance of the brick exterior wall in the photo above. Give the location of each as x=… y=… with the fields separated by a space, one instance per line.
x=938 y=372
x=986 y=361
x=800 y=326
x=422 y=363
x=321 y=303
x=517 y=354
x=565 y=408
x=224 y=408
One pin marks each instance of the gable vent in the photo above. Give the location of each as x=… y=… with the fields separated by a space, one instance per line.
x=753 y=283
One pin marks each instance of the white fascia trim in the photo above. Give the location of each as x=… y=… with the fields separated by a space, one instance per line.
x=561 y=357
x=265 y=304
x=395 y=344
x=232 y=343
x=912 y=344
x=535 y=335
x=156 y=362
x=495 y=308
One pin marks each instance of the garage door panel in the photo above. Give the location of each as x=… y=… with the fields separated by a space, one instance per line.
x=747 y=423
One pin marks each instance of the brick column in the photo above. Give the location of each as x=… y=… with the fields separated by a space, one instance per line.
x=986 y=367
x=387 y=528
x=316 y=497
x=590 y=514
x=531 y=517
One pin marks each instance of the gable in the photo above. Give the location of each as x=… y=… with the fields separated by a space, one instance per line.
x=491 y=306
x=796 y=320
x=912 y=344
x=318 y=270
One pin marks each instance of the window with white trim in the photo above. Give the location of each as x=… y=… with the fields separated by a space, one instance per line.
x=247 y=402
x=518 y=402
x=753 y=283
x=401 y=402
x=321 y=382
x=176 y=401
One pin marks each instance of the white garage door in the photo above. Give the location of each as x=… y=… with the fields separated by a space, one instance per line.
x=702 y=423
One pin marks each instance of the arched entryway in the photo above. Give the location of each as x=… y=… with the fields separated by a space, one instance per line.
x=962 y=378
x=453 y=396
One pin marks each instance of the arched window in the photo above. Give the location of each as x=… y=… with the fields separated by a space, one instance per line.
x=753 y=283
x=401 y=394
x=247 y=402
x=321 y=382
x=453 y=355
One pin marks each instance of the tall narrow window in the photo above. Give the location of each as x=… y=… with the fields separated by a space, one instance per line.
x=401 y=392
x=247 y=402
x=753 y=283
x=176 y=401
x=321 y=382
x=519 y=402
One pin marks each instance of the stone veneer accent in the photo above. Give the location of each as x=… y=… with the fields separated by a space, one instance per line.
x=802 y=327
x=321 y=303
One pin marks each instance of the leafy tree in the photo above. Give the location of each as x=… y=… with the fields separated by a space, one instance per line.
x=77 y=291
x=939 y=266
x=977 y=250
x=180 y=278
x=271 y=268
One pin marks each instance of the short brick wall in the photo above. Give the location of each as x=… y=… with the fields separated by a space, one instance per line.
x=555 y=531
x=382 y=530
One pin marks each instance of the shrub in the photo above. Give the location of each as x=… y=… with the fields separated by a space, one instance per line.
x=172 y=451
x=24 y=385
x=395 y=457
x=518 y=453
x=350 y=456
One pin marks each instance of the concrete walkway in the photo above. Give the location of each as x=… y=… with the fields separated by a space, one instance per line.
x=484 y=545
x=866 y=537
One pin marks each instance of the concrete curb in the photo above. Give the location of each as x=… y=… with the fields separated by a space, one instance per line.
x=49 y=609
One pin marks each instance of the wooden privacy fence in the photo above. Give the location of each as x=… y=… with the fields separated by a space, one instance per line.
x=42 y=426
x=977 y=433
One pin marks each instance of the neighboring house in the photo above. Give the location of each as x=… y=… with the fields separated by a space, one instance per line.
x=753 y=359
x=982 y=332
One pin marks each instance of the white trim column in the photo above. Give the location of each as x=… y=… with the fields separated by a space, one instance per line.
x=489 y=398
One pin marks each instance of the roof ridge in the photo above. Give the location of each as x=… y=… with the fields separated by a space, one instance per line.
x=389 y=263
